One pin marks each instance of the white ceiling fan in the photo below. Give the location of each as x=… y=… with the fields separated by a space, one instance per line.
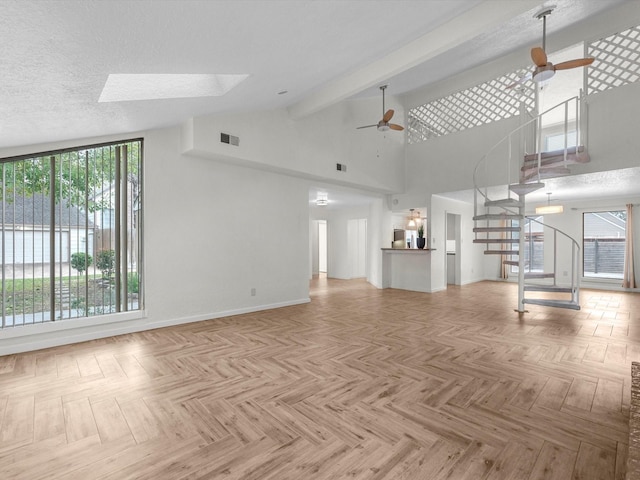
x=544 y=69
x=384 y=125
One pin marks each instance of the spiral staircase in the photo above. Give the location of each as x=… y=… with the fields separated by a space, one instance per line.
x=519 y=164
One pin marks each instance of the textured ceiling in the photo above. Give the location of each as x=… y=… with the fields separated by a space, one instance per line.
x=56 y=55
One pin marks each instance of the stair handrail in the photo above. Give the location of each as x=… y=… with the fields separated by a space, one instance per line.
x=575 y=250
x=536 y=119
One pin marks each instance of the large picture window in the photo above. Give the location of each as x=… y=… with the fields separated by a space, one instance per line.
x=71 y=230
x=604 y=244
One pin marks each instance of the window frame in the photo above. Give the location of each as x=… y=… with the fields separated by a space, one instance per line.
x=529 y=245
x=607 y=276
x=128 y=155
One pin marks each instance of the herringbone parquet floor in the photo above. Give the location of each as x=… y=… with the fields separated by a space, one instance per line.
x=360 y=384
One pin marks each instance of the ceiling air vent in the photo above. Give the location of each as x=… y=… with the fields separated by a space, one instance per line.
x=230 y=139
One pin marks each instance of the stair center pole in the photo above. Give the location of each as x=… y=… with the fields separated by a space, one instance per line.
x=521 y=247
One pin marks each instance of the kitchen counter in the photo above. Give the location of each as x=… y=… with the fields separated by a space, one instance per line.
x=407 y=269
x=408 y=250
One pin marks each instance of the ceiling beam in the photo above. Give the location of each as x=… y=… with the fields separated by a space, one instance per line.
x=482 y=18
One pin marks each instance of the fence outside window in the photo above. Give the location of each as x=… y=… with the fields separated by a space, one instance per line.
x=533 y=246
x=603 y=243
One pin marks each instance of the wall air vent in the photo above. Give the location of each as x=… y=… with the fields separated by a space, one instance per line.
x=341 y=167
x=230 y=139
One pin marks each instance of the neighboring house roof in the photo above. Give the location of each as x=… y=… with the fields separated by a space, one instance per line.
x=36 y=210
x=108 y=192
x=604 y=225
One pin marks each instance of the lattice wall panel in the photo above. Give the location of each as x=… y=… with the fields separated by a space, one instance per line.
x=484 y=103
x=617 y=61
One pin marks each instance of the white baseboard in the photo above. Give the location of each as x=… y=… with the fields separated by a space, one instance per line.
x=225 y=313
x=54 y=334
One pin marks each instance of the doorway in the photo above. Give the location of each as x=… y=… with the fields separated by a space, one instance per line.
x=322 y=246
x=453 y=269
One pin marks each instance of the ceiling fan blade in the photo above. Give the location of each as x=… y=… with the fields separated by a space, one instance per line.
x=538 y=56
x=387 y=116
x=580 y=62
x=520 y=81
x=367 y=126
x=393 y=126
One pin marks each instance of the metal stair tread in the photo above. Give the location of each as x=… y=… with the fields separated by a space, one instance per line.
x=503 y=202
x=495 y=229
x=538 y=275
x=551 y=155
x=552 y=303
x=496 y=240
x=547 y=288
x=497 y=216
x=525 y=188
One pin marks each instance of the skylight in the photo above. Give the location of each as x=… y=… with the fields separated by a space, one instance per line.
x=121 y=87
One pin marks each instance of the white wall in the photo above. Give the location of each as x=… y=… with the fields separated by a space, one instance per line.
x=244 y=219
x=377 y=226
x=613 y=140
x=446 y=164
x=310 y=147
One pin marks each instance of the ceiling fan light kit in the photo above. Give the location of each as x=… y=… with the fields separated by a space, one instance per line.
x=544 y=73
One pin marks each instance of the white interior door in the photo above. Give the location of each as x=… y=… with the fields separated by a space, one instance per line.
x=322 y=246
x=357 y=247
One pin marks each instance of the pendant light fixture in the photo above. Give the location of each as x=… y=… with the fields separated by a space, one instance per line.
x=548 y=208
x=413 y=224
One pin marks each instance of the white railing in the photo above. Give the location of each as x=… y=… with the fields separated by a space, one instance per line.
x=527 y=139
x=575 y=258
